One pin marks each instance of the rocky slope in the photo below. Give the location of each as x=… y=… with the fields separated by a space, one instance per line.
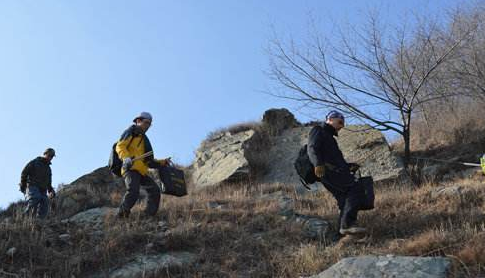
x=268 y=151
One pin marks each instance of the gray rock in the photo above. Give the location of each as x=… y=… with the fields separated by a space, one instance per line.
x=93 y=218
x=65 y=237
x=89 y=191
x=269 y=158
x=275 y=121
x=359 y=144
x=387 y=267
x=314 y=227
x=11 y=252
x=143 y=266
x=216 y=205
x=222 y=160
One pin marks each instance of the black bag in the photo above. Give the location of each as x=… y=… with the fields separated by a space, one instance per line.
x=304 y=168
x=115 y=163
x=366 y=188
x=173 y=181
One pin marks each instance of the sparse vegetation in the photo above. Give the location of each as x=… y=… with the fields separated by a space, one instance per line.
x=247 y=237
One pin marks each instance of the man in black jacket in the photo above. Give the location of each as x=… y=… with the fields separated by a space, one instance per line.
x=334 y=172
x=36 y=181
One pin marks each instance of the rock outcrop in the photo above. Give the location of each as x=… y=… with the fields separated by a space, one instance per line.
x=275 y=121
x=388 y=266
x=277 y=142
x=150 y=265
x=89 y=191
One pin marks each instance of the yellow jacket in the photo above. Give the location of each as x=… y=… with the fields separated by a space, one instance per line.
x=134 y=143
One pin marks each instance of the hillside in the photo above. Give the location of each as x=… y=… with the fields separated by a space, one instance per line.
x=250 y=228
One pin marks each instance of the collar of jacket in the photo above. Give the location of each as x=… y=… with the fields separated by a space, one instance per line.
x=43 y=160
x=136 y=130
x=330 y=129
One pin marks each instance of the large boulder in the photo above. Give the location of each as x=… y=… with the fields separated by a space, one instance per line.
x=367 y=146
x=388 y=266
x=89 y=191
x=223 y=159
x=359 y=143
x=275 y=121
x=271 y=149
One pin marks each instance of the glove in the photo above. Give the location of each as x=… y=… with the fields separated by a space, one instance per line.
x=320 y=171
x=52 y=192
x=165 y=162
x=353 y=167
x=23 y=188
x=127 y=163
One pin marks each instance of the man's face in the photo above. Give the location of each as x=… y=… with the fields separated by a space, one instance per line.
x=144 y=124
x=337 y=123
x=48 y=157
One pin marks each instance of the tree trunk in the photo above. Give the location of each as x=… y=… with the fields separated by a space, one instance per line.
x=407 y=148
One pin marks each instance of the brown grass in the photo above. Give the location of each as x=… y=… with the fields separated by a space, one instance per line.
x=247 y=237
x=233 y=129
x=450 y=124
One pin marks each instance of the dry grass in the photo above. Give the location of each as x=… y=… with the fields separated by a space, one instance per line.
x=233 y=129
x=246 y=237
x=450 y=124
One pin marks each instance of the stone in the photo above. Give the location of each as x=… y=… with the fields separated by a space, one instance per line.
x=148 y=266
x=275 y=121
x=314 y=227
x=65 y=237
x=94 y=218
x=223 y=160
x=388 y=266
x=11 y=252
x=216 y=205
x=89 y=191
x=359 y=144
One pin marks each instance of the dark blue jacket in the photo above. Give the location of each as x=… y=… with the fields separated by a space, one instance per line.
x=323 y=150
x=37 y=173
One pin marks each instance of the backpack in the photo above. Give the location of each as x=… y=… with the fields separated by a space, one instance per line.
x=115 y=163
x=304 y=168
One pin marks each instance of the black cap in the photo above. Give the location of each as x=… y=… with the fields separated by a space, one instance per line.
x=50 y=152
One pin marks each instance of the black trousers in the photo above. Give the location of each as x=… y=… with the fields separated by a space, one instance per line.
x=133 y=182
x=348 y=200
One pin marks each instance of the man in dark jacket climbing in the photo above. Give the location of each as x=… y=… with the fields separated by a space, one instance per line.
x=36 y=181
x=134 y=143
x=334 y=172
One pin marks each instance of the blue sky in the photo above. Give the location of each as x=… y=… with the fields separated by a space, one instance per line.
x=73 y=74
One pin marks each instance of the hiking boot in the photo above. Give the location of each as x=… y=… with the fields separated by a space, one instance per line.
x=352 y=230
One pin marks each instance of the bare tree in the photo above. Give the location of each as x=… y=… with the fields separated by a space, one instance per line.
x=377 y=76
x=466 y=74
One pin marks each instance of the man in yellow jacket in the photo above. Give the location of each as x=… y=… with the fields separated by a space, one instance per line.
x=133 y=143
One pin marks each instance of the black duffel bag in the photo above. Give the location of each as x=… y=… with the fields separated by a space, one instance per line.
x=366 y=190
x=173 y=181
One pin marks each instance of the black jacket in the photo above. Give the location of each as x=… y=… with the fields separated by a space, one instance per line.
x=37 y=173
x=323 y=149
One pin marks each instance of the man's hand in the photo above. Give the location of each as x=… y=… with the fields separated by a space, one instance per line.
x=52 y=193
x=127 y=163
x=320 y=171
x=353 y=167
x=166 y=161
